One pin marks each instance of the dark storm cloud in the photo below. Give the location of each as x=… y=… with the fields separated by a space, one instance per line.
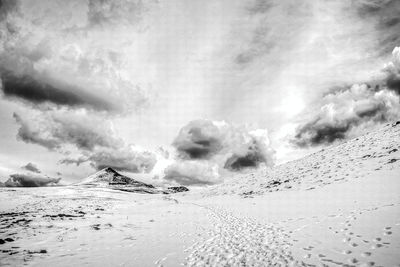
x=392 y=71
x=393 y=83
x=25 y=180
x=317 y=133
x=343 y=111
x=31 y=167
x=252 y=159
x=56 y=130
x=198 y=140
x=206 y=147
x=38 y=92
x=205 y=140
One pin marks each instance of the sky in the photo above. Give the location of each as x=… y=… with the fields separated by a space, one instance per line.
x=94 y=83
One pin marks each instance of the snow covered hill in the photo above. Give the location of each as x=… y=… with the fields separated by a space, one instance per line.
x=375 y=151
x=109 y=176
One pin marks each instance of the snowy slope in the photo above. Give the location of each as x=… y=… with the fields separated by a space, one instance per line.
x=375 y=151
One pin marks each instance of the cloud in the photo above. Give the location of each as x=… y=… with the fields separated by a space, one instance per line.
x=207 y=150
x=198 y=140
x=193 y=172
x=341 y=114
x=260 y=6
x=54 y=130
x=37 y=92
x=7 y=6
x=115 y=12
x=50 y=54
x=31 y=167
x=269 y=30
x=90 y=137
x=384 y=14
x=126 y=158
x=205 y=139
x=31 y=133
x=392 y=71
x=344 y=111
x=25 y=180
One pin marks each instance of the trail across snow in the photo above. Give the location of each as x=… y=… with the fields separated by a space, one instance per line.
x=242 y=242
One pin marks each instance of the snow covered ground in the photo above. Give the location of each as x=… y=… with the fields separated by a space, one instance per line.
x=339 y=206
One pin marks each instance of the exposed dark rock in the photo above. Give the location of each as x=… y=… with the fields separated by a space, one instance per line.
x=62 y=215
x=132 y=189
x=178 y=189
x=41 y=251
x=95 y=227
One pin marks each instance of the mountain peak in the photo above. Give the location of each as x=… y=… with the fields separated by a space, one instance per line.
x=109 y=170
x=109 y=176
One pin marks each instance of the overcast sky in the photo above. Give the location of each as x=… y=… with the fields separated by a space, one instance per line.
x=128 y=75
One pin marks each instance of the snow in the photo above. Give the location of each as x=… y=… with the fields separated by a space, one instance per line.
x=339 y=206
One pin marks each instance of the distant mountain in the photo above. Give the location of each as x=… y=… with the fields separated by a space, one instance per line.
x=109 y=176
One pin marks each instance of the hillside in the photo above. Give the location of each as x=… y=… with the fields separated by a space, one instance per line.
x=370 y=153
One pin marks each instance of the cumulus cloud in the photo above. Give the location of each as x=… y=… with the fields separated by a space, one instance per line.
x=54 y=130
x=205 y=139
x=193 y=172
x=92 y=138
x=127 y=158
x=341 y=113
x=344 y=111
x=25 y=180
x=31 y=167
x=392 y=71
x=198 y=140
x=206 y=150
